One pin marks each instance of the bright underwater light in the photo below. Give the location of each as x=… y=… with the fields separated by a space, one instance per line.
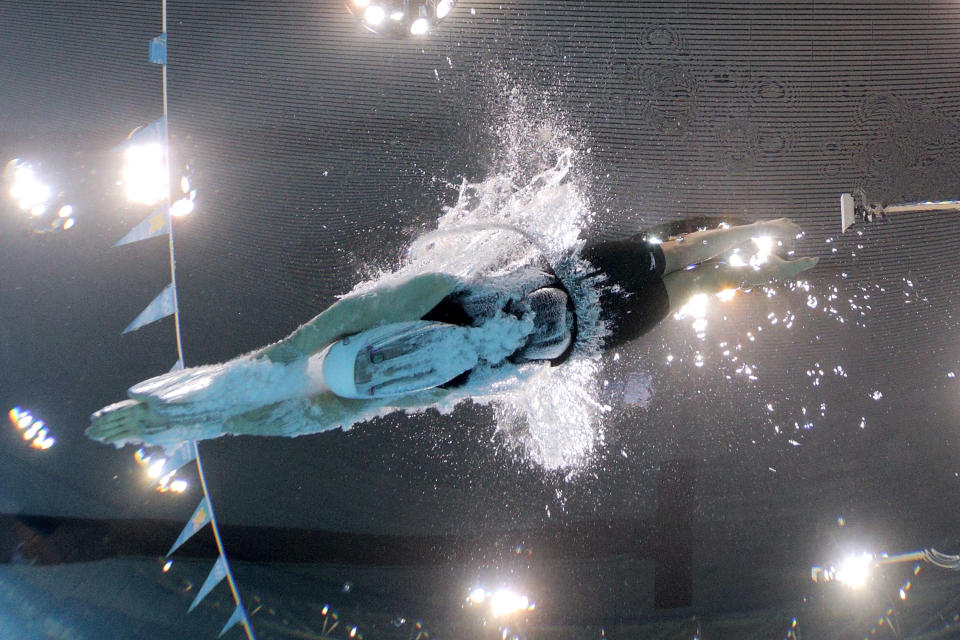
x=374 y=15
x=502 y=603
x=145 y=173
x=32 y=430
x=854 y=570
x=181 y=207
x=478 y=595
x=44 y=205
x=164 y=481
x=26 y=189
x=420 y=26
x=407 y=17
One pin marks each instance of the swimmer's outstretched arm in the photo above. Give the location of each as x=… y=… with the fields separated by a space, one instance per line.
x=701 y=246
x=714 y=277
x=408 y=300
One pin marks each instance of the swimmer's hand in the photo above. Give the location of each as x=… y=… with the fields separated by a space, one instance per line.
x=779 y=228
x=776 y=268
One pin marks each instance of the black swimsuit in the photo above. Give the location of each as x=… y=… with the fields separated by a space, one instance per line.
x=639 y=300
x=471 y=306
x=633 y=297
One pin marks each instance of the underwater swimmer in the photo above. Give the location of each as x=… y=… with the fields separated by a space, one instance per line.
x=413 y=344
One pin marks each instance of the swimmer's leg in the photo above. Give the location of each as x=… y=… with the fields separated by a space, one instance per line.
x=701 y=246
x=714 y=277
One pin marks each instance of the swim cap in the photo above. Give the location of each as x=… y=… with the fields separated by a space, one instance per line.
x=553 y=325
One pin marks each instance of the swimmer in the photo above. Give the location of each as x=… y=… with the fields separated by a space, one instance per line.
x=413 y=344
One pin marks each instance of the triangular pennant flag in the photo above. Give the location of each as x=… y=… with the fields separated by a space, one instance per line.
x=239 y=615
x=218 y=573
x=197 y=521
x=179 y=456
x=177 y=366
x=156 y=224
x=161 y=307
x=152 y=132
x=158 y=49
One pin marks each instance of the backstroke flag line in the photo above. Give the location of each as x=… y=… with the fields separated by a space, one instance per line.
x=217 y=574
x=179 y=456
x=156 y=224
x=161 y=307
x=147 y=134
x=239 y=615
x=197 y=521
x=151 y=133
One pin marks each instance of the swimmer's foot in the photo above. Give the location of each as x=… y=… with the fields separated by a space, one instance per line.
x=776 y=268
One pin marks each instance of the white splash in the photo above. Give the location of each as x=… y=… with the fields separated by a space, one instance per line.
x=510 y=220
x=552 y=413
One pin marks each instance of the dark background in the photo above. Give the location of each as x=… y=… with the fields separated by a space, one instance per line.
x=320 y=150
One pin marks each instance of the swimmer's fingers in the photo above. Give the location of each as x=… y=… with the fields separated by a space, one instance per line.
x=789 y=269
x=777 y=269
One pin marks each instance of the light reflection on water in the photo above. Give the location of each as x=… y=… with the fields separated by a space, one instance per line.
x=31 y=429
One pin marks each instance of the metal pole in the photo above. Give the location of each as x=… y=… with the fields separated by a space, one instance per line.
x=912 y=556
x=953 y=205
